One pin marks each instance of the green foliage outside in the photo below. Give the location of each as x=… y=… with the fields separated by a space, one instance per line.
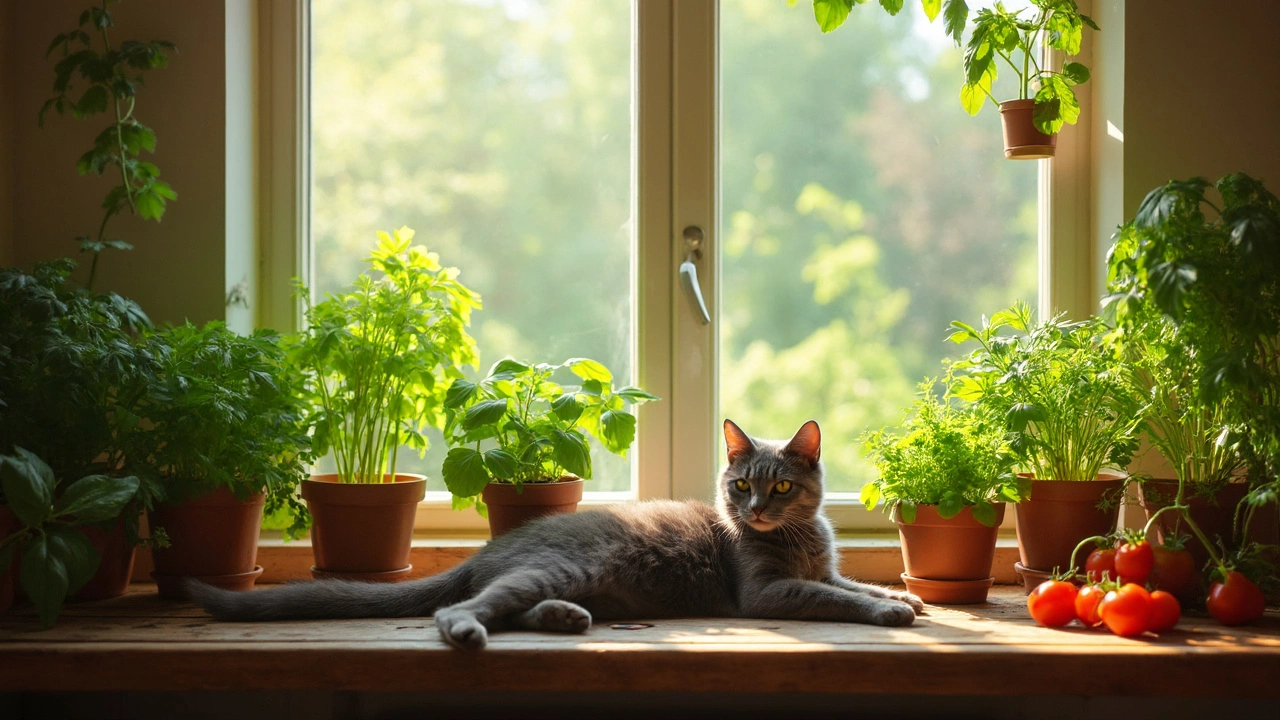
x=536 y=427
x=944 y=453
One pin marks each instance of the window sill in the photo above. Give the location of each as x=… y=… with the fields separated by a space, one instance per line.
x=869 y=557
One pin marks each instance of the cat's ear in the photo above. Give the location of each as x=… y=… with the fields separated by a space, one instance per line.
x=807 y=443
x=738 y=442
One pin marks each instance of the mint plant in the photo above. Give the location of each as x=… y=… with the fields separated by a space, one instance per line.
x=378 y=359
x=111 y=74
x=518 y=425
x=945 y=453
x=57 y=559
x=1063 y=397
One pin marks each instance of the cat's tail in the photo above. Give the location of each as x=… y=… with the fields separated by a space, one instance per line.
x=325 y=599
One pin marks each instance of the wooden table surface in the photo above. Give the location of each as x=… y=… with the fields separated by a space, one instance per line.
x=139 y=642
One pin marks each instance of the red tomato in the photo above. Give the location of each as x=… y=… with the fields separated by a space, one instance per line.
x=1053 y=603
x=1101 y=562
x=1127 y=611
x=1235 y=602
x=1165 y=611
x=1134 y=562
x=1087 y=601
x=1174 y=571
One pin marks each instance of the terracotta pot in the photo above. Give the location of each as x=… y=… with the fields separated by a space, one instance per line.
x=1022 y=141
x=8 y=525
x=509 y=507
x=115 y=566
x=362 y=528
x=211 y=537
x=1214 y=516
x=1031 y=578
x=958 y=548
x=1059 y=514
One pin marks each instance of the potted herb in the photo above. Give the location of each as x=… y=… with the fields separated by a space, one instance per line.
x=72 y=375
x=520 y=439
x=1030 y=122
x=377 y=361
x=1215 y=279
x=1067 y=404
x=39 y=523
x=224 y=436
x=945 y=475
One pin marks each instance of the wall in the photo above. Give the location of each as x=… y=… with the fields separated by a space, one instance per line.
x=1202 y=92
x=6 y=133
x=178 y=268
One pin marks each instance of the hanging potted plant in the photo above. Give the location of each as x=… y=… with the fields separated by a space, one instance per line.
x=377 y=361
x=945 y=476
x=40 y=525
x=1068 y=406
x=72 y=375
x=1030 y=122
x=224 y=437
x=519 y=438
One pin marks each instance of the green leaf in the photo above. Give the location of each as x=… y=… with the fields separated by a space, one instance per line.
x=501 y=464
x=1056 y=104
x=44 y=578
x=893 y=7
x=984 y=513
x=950 y=505
x=459 y=393
x=464 y=472
x=570 y=451
x=484 y=413
x=931 y=8
x=954 y=18
x=508 y=366
x=906 y=512
x=636 y=396
x=76 y=552
x=567 y=408
x=831 y=14
x=28 y=485
x=617 y=431
x=96 y=498
x=870 y=495
x=93 y=101
x=1075 y=73
x=1021 y=414
x=590 y=370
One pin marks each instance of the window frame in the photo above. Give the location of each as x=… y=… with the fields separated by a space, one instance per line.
x=675 y=181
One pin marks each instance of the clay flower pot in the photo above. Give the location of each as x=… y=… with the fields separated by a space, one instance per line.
x=1214 y=517
x=213 y=538
x=1022 y=141
x=115 y=567
x=1061 y=513
x=948 y=560
x=8 y=525
x=362 y=531
x=510 y=507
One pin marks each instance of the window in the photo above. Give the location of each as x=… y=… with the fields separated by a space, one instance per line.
x=555 y=150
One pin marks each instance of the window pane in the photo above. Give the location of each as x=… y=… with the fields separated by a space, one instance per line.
x=500 y=130
x=863 y=211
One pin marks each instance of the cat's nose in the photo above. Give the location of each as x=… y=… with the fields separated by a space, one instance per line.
x=757 y=511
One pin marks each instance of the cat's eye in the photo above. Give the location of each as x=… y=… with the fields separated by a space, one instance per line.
x=742 y=485
x=783 y=487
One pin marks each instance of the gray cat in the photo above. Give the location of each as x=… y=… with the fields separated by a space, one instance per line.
x=764 y=551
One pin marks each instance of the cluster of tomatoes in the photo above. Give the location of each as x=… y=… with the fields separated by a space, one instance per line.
x=1116 y=593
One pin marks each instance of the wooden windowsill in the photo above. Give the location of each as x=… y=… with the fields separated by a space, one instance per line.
x=139 y=643
x=871 y=558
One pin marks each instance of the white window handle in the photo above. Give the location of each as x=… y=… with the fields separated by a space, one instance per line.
x=689 y=272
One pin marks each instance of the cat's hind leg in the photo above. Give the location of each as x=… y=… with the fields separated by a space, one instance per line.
x=511 y=600
x=554 y=616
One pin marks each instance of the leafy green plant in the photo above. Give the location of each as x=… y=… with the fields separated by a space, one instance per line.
x=535 y=429
x=224 y=411
x=1002 y=34
x=1061 y=395
x=111 y=75
x=946 y=454
x=57 y=559
x=379 y=358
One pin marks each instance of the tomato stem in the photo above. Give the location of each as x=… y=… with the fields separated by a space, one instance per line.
x=1095 y=538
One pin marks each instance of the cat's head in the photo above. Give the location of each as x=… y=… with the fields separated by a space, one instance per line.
x=770 y=483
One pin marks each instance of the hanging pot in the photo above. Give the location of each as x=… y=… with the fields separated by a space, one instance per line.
x=1022 y=141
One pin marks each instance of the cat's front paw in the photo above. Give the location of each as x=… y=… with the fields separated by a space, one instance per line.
x=461 y=629
x=892 y=613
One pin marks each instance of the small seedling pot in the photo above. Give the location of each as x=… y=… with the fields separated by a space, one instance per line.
x=1061 y=513
x=1022 y=141
x=948 y=560
x=363 y=530
x=115 y=567
x=510 y=507
x=213 y=538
